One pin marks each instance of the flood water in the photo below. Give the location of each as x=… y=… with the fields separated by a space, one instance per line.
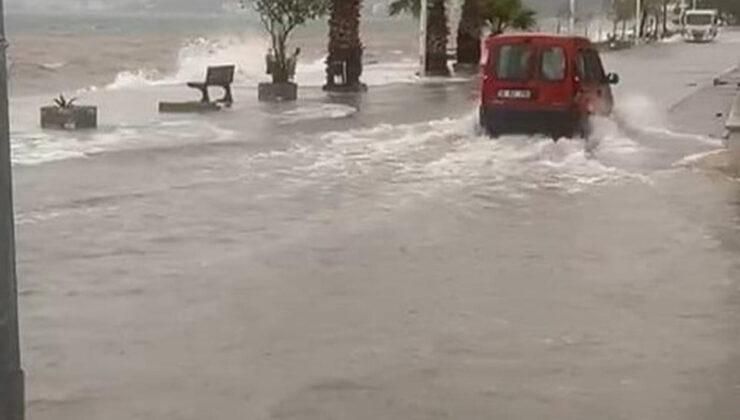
x=375 y=256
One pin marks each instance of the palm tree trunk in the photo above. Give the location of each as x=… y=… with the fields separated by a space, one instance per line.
x=624 y=29
x=345 y=46
x=437 y=33
x=469 y=34
x=665 y=18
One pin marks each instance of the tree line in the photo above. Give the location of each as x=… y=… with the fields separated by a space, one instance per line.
x=623 y=11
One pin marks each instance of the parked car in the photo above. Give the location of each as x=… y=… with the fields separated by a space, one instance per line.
x=543 y=84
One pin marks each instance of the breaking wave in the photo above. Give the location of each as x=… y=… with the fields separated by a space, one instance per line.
x=248 y=54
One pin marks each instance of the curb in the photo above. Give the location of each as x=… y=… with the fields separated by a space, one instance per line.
x=701 y=86
x=733 y=126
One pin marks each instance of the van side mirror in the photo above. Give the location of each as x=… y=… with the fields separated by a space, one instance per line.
x=612 y=78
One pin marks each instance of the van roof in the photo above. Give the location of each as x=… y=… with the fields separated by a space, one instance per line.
x=538 y=36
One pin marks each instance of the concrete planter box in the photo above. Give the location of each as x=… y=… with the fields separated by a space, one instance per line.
x=466 y=69
x=277 y=92
x=72 y=118
x=357 y=88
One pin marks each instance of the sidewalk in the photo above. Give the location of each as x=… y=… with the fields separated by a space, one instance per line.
x=706 y=113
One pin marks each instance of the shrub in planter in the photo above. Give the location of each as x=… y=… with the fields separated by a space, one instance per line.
x=280 y=18
x=65 y=114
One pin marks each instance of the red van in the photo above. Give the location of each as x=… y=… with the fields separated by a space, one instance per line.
x=543 y=84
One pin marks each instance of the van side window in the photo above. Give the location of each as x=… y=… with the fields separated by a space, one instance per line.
x=513 y=62
x=552 y=64
x=580 y=66
x=589 y=67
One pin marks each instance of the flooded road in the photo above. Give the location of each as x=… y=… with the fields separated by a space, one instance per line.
x=376 y=257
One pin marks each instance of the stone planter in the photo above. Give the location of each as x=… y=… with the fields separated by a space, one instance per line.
x=277 y=92
x=466 y=69
x=71 y=118
x=356 y=88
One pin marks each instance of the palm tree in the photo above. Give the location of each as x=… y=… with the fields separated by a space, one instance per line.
x=665 y=18
x=508 y=14
x=623 y=11
x=437 y=32
x=345 y=46
x=469 y=33
x=500 y=15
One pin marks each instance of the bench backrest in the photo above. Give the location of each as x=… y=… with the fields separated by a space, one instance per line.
x=220 y=75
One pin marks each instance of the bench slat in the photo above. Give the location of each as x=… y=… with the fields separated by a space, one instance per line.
x=220 y=75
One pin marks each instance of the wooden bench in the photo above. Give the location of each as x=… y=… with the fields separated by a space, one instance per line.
x=219 y=76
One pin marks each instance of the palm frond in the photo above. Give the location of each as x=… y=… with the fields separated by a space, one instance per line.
x=503 y=14
x=63 y=102
x=398 y=7
x=524 y=19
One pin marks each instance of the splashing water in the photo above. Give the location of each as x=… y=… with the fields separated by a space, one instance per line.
x=424 y=158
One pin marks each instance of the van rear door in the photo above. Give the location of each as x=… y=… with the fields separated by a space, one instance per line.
x=593 y=94
x=554 y=82
x=512 y=69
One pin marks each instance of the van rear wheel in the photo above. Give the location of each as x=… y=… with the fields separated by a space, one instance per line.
x=486 y=124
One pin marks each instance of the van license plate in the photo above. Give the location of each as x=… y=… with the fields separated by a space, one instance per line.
x=514 y=94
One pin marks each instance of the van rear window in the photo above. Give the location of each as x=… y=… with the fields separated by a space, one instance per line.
x=513 y=62
x=552 y=64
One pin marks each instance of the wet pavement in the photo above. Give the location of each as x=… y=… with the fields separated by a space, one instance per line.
x=375 y=257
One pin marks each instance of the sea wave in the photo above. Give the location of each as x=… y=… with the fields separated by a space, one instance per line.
x=52 y=66
x=248 y=54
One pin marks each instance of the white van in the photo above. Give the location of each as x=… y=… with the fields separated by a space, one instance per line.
x=700 y=25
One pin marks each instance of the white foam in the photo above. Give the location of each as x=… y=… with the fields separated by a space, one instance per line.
x=428 y=157
x=53 y=66
x=136 y=79
x=696 y=158
x=318 y=111
x=35 y=147
x=32 y=149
